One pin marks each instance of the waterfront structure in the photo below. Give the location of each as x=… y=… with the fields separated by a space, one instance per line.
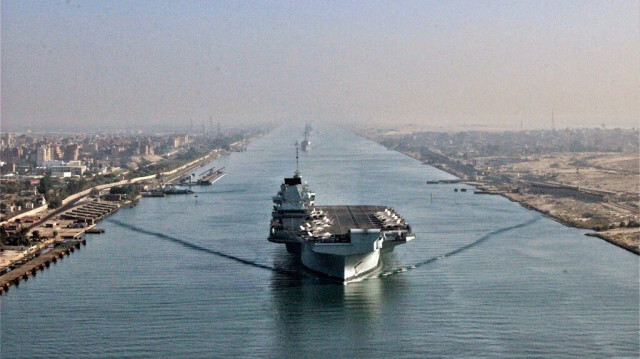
x=67 y=171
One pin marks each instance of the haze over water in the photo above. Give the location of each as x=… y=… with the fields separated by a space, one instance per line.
x=188 y=276
x=446 y=65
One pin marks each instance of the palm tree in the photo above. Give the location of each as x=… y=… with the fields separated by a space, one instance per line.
x=160 y=179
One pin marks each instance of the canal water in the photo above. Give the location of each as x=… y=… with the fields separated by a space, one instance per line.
x=188 y=276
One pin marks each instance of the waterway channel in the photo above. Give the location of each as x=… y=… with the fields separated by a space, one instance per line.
x=194 y=276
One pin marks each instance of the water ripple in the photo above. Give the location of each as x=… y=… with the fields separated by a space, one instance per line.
x=201 y=249
x=458 y=250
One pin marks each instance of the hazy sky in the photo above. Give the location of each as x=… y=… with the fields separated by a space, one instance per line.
x=432 y=63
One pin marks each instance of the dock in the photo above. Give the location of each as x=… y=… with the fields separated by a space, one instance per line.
x=487 y=192
x=90 y=212
x=451 y=181
x=22 y=271
x=211 y=177
x=94 y=230
x=205 y=179
x=152 y=194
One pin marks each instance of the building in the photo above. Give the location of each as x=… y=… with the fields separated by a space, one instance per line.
x=6 y=140
x=49 y=164
x=71 y=152
x=41 y=201
x=146 y=148
x=7 y=168
x=57 y=152
x=12 y=154
x=67 y=171
x=44 y=155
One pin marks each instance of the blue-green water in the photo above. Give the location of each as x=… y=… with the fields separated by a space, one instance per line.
x=195 y=277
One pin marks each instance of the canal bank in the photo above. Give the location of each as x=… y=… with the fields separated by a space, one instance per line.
x=569 y=205
x=30 y=265
x=60 y=229
x=489 y=280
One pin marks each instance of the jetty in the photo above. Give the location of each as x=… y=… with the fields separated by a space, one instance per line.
x=29 y=267
x=211 y=176
x=95 y=230
x=90 y=212
x=205 y=179
x=449 y=181
x=153 y=193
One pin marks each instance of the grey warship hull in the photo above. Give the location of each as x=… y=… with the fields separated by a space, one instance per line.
x=342 y=242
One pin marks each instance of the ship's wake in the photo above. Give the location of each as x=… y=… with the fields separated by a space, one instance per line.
x=297 y=274
x=196 y=247
x=219 y=191
x=475 y=243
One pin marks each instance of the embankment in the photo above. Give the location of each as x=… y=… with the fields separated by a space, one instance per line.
x=626 y=238
x=41 y=262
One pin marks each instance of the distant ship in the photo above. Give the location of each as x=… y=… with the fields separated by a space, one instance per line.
x=305 y=145
x=343 y=242
x=308 y=128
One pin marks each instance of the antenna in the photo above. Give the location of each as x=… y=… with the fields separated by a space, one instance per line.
x=297 y=173
x=553 y=121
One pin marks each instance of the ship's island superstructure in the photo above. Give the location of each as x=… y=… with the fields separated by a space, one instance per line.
x=341 y=241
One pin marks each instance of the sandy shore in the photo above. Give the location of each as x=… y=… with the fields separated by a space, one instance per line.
x=598 y=191
x=606 y=196
x=569 y=212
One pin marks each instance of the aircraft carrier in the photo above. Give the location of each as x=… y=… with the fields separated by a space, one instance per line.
x=342 y=242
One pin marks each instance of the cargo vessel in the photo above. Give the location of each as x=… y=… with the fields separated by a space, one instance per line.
x=340 y=241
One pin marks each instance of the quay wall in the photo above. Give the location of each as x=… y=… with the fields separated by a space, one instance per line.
x=564 y=191
x=105 y=186
x=39 y=262
x=25 y=214
x=22 y=272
